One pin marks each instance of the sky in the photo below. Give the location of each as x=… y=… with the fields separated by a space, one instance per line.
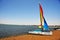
x=26 y=12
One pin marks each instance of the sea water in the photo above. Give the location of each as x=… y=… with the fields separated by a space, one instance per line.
x=11 y=30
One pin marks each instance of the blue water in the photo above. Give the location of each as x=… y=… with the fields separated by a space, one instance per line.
x=11 y=30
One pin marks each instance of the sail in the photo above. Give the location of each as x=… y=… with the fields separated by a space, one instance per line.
x=45 y=26
x=41 y=16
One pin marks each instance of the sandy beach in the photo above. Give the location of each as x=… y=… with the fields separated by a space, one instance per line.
x=55 y=36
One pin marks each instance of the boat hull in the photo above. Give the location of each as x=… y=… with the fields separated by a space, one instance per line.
x=39 y=32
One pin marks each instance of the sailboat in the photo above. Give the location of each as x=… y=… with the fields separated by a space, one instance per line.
x=43 y=29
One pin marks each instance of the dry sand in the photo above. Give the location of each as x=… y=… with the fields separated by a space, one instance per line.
x=55 y=36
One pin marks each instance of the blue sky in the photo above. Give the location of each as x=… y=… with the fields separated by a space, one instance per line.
x=26 y=12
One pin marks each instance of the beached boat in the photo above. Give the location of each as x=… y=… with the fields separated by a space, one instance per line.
x=43 y=29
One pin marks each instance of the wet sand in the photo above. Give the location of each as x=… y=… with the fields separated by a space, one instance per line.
x=55 y=36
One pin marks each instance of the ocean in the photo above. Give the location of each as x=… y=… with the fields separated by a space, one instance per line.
x=11 y=30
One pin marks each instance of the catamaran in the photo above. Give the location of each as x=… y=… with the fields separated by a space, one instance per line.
x=43 y=29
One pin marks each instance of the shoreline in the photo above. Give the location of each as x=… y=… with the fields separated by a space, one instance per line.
x=55 y=36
